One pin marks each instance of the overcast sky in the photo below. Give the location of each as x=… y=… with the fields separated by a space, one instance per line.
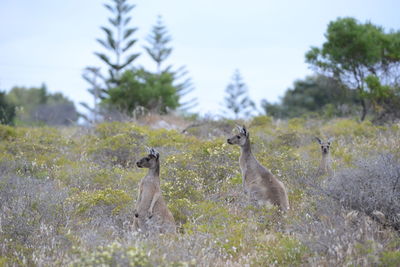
x=52 y=41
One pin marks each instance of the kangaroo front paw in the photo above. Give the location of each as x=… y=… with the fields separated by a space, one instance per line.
x=150 y=214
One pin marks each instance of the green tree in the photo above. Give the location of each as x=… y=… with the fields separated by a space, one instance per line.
x=118 y=40
x=318 y=94
x=159 y=50
x=158 y=43
x=353 y=51
x=37 y=106
x=140 y=88
x=385 y=100
x=7 y=110
x=237 y=100
x=26 y=100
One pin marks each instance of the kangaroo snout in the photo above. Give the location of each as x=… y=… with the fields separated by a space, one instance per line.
x=229 y=141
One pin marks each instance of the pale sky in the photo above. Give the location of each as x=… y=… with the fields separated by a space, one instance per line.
x=52 y=41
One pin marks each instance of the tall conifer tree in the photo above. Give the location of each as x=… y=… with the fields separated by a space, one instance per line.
x=159 y=50
x=118 y=40
x=158 y=44
x=237 y=100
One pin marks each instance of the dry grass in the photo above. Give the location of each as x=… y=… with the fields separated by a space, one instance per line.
x=67 y=196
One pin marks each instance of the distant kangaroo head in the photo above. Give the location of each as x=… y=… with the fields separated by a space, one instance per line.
x=240 y=138
x=150 y=161
x=325 y=146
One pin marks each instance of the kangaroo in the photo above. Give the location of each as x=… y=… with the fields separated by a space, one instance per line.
x=325 y=165
x=151 y=209
x=258 y=182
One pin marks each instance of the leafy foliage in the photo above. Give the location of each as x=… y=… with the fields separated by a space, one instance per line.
x=38 y=106
x=140 y=88
x=7 y=110
x=134 y=91
x=314 y=94
x=353 y=51
x=384 y=99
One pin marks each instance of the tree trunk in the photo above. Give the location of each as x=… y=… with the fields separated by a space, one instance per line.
x=364 y=109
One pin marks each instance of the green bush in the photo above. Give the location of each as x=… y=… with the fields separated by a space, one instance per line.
x=76 y=187
x=114 y=254
x=281 y=250
x=390 y=258
x=7 y=132
x=113 y=199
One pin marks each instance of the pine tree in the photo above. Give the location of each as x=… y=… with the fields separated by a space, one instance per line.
x=158 y=41
x=93 y=76
x=159 y=50
x=118 y=40
x=237 y=100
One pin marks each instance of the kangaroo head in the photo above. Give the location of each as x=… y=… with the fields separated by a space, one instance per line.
x=150 y=161
x=324 y=145
x=240 y=138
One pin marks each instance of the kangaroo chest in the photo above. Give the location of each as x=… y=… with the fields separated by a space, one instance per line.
x=148 y=188
x=325 y=163
x=249 y=168
x=242 y=164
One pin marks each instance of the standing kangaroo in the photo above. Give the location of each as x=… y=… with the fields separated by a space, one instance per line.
x=325 y=165
x=151 y=210
x=258 y=182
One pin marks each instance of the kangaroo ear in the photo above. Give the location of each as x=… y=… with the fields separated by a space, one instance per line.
x=154 y=153
x=244 y=131
x=319 y=140
x=330 y=140
x=239 y=128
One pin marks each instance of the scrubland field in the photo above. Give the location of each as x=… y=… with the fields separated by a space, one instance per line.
x=67 y=195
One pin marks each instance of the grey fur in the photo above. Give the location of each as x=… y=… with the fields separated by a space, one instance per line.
x=152 y=213
x=258 y=182
x=325 y=164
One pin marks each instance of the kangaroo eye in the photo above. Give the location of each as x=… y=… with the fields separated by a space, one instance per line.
x=238 y=136
x=147 y=159
x=322 y=146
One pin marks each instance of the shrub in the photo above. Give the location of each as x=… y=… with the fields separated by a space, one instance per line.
x=33 y=215
x=110 y=201
x=7 y=132
x=372 y=185
x=115 y=144
x=390 y=258
x=114 y=254
x=261 y=121
x=67 y=196
x=281 y=250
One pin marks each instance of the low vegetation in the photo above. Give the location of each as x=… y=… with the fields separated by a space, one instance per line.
x=67 y=195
